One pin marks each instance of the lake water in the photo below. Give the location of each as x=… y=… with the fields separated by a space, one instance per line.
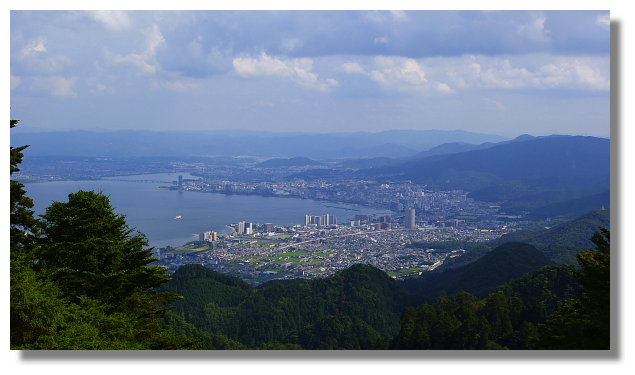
x=152 y=210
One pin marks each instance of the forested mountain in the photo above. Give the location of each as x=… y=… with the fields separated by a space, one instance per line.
x=573 y=207
x=503 y=264
x=458 y=147
x=81 y=278
x=524 y=175
x=509 y=318
x=362 y=307
x=561 y=242
x=357 y=308
x=290 y=162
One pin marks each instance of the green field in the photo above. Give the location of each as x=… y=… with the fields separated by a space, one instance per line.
x=405 y=272
x=192 y=247
x=291 y=253
x=265 y=243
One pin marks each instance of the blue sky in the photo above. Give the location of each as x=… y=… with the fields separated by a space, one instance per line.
x=508 y=73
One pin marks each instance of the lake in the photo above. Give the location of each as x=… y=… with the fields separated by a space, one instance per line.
x=152 y=210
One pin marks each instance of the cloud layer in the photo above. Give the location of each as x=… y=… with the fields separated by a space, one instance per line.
x=334 y=69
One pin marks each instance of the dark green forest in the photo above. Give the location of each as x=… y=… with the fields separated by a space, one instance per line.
x=81 y=278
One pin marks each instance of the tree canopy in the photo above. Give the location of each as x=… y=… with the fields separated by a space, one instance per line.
x=81 y=278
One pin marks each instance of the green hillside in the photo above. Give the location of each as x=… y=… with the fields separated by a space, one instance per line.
x=357 y=308
x=503 y=264
x=561 y=243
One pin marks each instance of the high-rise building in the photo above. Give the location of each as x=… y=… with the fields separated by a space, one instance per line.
x=312 y=220
x=268 y=227
x=208 y=236
x=180 y=184
x=323 y=220
x=328 y=219
x=410 y=219
x=332 y=219
x=241 y=227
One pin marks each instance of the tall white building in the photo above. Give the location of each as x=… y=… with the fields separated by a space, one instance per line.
x=410 y=219
x=323 y=220
x=208 y=236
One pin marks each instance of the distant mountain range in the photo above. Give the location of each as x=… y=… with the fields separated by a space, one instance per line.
x=525 y=174
x=288 y=162
x=138 y=143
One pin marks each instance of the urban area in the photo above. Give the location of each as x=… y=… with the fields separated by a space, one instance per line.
x=321 y=244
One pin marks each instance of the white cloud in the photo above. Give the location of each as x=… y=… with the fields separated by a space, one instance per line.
x=35 y=58
x=56 y=85
x=33 y=48
x=443 y=88
x=381 y=40
x=399 y=15
x=353 y=68
x=144 y=60
x=534 y=30
x=446 y=75
x=115 y=20
x=525 y=72
x=298 y=70
x=400 y=73
x=377 y=16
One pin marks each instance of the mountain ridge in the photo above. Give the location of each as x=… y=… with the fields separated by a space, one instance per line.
x=130 y=143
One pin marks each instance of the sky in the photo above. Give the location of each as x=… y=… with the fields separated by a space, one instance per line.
x=499 y=72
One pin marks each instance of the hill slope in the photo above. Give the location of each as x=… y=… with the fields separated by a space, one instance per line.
x=562 y=242
x=353 y=309
x=526 y=174
x=503 y=264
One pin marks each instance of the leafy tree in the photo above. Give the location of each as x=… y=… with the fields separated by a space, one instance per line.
x=89 y=251
x=24 y=225
x=584 y=323
x=34 y=308
x=80 y=279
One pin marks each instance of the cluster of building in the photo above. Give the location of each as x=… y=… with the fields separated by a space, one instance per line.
x=323 y=244
x=397 y=197
x=209 y=236
x=320 y=246
x=320 y=221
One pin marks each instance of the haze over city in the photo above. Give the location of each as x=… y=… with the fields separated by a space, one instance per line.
x=498 y=72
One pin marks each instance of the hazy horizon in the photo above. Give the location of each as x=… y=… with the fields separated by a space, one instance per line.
x=31 y=129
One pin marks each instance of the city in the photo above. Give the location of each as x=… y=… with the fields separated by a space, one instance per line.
x=322 y=246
